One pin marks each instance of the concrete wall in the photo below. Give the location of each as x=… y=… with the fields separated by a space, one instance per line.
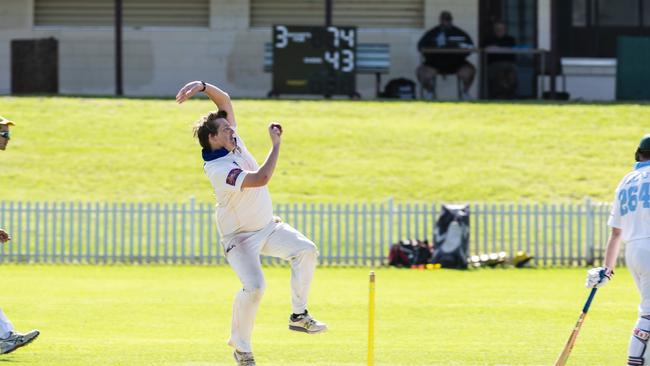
x=544 y=24
x=228 y=53
x=15 y=22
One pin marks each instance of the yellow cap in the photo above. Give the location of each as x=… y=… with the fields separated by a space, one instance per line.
x=4 y=121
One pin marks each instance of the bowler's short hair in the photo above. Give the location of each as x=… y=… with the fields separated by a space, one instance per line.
x=207 y=126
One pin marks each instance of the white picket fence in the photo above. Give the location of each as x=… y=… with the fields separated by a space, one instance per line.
x=346 y=234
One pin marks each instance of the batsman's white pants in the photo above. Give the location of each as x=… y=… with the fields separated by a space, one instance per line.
x=637 y=257
x=5 y=325
x=243 y=253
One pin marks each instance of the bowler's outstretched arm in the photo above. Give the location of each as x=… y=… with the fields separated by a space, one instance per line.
x=218 y=96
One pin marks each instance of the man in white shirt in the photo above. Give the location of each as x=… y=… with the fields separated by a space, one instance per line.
x=246 y=222
x=9 y=339
x=630 y=222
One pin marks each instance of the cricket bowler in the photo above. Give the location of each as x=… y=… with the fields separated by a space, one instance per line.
x=245 y=219
x=9 y=339
x=630 y=222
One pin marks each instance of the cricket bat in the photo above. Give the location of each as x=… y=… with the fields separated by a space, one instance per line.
x=564 y=356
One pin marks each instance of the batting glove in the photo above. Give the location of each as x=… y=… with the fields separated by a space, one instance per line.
x=598 y=277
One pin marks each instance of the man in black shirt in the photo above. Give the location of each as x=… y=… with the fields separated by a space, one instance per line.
x=502 y=70
x=448 y=36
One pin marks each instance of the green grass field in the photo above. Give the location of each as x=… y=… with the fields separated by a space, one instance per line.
x=130 y=315
x=105 y=149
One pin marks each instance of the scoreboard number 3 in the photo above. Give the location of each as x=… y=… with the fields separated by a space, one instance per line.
x=282 y=36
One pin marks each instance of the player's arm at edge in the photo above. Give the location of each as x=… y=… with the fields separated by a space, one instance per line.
x=599 y=276
x=263 y=175
x=613 y=246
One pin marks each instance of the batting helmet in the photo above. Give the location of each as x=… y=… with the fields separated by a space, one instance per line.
x=644 y=147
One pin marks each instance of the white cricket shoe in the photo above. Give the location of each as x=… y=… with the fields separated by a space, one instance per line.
x=305 y=323
x=244 y=358
x=17 y=340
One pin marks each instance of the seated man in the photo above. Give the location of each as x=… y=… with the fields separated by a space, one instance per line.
x=502 y=69
x=445 y=35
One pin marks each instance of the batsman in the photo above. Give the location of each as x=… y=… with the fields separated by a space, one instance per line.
x=245 y=219
x=630 y=222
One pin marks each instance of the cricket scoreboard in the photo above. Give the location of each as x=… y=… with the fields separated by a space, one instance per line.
x=314 y=60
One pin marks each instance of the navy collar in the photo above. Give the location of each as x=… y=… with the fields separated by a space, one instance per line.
x=209 y=155
x=641 y=164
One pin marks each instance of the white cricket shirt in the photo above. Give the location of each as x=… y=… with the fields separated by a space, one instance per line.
x=238 y=209
x=631 y=208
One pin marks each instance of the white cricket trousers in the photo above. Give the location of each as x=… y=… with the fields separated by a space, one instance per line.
x=5 y=325
x=637 y=258
x=243 y=253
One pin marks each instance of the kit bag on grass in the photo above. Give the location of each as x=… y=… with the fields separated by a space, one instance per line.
x=451 y=237
x=401 y=88
x=409 y=252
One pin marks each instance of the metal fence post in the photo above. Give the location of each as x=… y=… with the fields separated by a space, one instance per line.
x=391 y=214
x=28 y=257
x=148 y=255
x=37 y=242
x=18 y=255
x=192 y=227
x=589 y=234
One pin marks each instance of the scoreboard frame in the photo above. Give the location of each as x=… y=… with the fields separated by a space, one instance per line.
x=314 y=60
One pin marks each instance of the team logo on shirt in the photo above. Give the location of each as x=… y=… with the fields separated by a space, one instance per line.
x=232 y=176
